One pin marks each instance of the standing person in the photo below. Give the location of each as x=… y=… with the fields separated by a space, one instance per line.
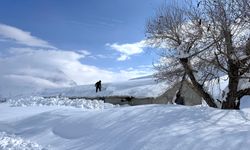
x=98 y=86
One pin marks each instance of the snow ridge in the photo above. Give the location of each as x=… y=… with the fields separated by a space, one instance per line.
x=59 y=101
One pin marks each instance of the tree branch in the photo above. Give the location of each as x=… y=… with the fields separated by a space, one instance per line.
x=243 y=92
x=244 y=70
x=219 y=64
x=206 y=48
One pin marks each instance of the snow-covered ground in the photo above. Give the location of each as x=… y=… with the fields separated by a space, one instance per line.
x=58 y=123
x=157 y=127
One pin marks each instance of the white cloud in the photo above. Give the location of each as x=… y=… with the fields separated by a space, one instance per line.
x=22 y=37
x=40 y=65
x=127 y=49
x=46 y=63
x=103 y=56
x=123 y=57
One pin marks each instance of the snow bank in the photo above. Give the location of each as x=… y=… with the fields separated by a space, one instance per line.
x=149 y=127
x=59 y=101
x=12 y=142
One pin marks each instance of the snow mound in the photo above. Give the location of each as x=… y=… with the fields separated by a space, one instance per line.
x=59 y=101
x=12 y=142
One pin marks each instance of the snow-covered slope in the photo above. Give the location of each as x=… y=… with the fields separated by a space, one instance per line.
x=141 y=87
x=149 y=127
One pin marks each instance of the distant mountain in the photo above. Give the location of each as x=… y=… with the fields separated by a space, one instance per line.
x=31 y=81
x=143 y=77
x=57 y=77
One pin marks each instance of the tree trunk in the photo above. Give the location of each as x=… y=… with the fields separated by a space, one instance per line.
x=230 y=105
x=232 y=99
x=232 y=96
x=199 y=88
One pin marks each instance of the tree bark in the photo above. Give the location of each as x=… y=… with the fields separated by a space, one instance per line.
x=232 y=98
x=232 y=101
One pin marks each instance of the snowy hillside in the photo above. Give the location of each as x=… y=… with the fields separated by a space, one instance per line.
x=149 y=127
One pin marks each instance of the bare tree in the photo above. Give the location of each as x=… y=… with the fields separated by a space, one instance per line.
x=205 y=40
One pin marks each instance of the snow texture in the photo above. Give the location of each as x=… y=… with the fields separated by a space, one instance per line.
x=59 y=101
x=12 y=142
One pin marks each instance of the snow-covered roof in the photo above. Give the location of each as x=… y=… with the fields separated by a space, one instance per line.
x=141 y=88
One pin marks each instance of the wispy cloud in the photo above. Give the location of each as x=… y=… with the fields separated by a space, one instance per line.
x=128 y=49
x=102 y=56
x=97 y=23
x=22 y=37
x=93 y=21
x=84 y=52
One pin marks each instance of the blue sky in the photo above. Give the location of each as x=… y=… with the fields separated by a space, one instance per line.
x=105 y=35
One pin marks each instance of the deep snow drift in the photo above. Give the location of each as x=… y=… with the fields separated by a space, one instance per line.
x=157 y=127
